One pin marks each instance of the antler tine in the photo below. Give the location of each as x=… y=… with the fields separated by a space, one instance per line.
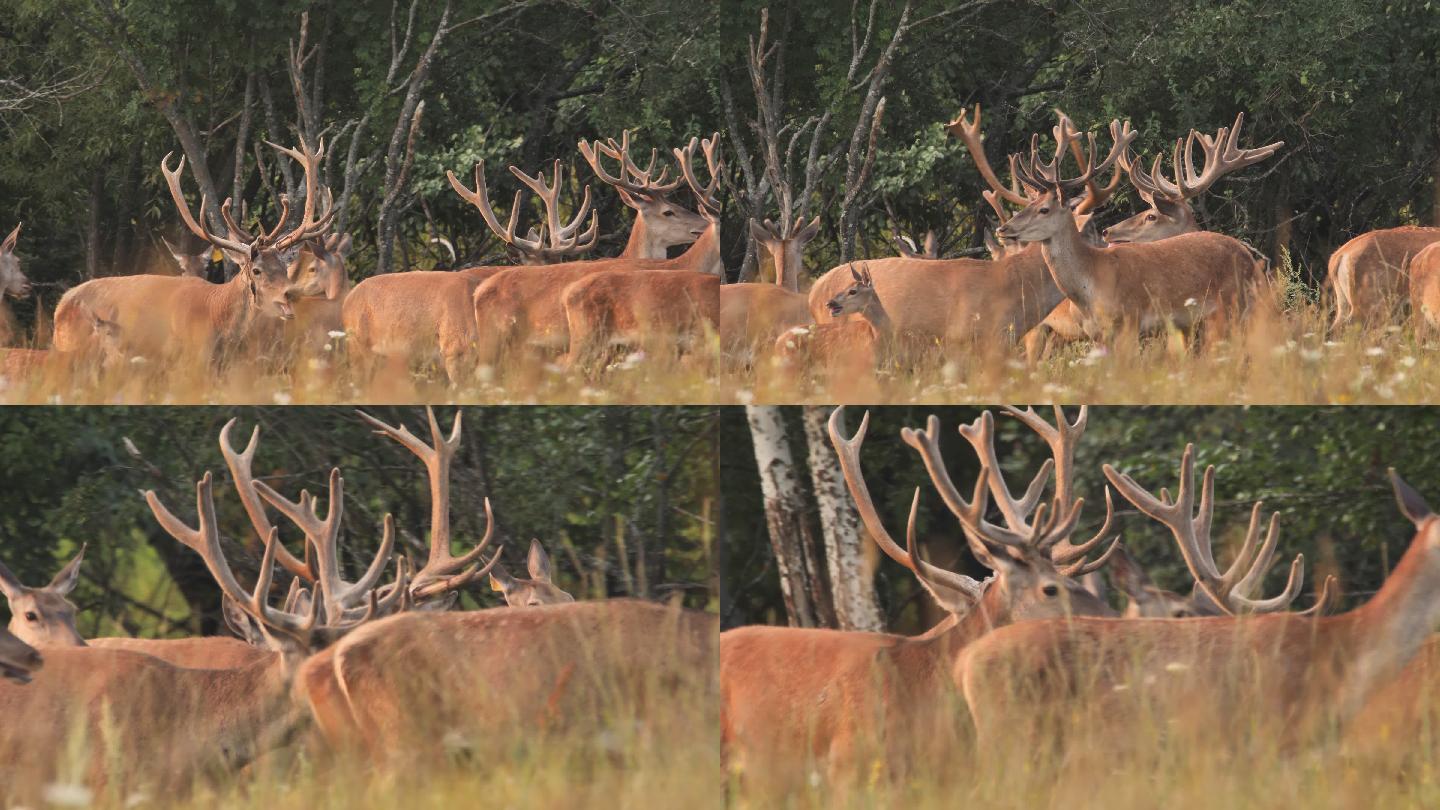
x=927 y=443
x=241 y=471
x=1254 y=572
x=705 y=195
x=969 y=133
x=1222 y=156
x=1017 y=513
x=928 y=573
x=848 y=451
x=172 y=179
x=236 y=229
x=1328 y=589
x=563 y=240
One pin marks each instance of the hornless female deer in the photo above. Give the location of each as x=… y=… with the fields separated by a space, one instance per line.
x=844 y=348
x=179 y=316
x=527 y=307
x=537 y=589
x=1281 y=676
x=399 y=318
x=1182 y=281
x=790 y=694
x=139 y=723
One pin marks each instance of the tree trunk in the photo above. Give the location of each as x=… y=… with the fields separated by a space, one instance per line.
x=807 y=600
x=92 y=227
x=851 y=585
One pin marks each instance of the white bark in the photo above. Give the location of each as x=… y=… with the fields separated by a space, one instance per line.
x=784 y=511
x=852 y=586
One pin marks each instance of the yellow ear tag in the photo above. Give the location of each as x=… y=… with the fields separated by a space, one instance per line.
x=216 y=255
x=495 y=585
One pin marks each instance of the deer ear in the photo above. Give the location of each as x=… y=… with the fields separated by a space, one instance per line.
x=1168 y=207
x=237 y=257
x=757 y=231
x=1411 y=504
x=538 y=563
x=9 y=584
x=809 y=232
x=634 y=199
x=500 y=579
x=69 y=576
x=1127 y=574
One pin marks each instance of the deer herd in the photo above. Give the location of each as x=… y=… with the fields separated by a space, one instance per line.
x=1030 y=647
x=1053 y=274
x=383 y=665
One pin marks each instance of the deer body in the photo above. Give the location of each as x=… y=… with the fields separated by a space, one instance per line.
x=201 y=652
x=1368 y=273
x=563 y=665
x=754 y=314
x=1292 y=675
x=166 y=724
x=1425 y=288
x=955 y=301
x=1183 y=281
x=661 y=308
x=415 y=315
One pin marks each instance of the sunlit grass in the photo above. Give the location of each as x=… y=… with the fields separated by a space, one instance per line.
x=631 y=375
x=1285 y=359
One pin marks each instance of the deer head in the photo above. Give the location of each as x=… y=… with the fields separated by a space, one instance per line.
x=267 y=259
x=194 y=262
x=1170 y=213
x=1144 y=599
x=1057 y=204
x=319 y=269
x=537 y=590
x=660 y=222
x=786 y=246
x=858 y=297
x=44 y=617
x=1035 y=565
x=12 y=280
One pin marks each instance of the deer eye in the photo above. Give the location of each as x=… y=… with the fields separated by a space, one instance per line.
x=1050 y=589
x=669 y=213
x=1045 y=210
x=31 y=617
x=1150 y=218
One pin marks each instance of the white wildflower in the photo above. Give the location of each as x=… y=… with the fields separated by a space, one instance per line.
x=336 y=334
x=281 y=398
x=68 y=795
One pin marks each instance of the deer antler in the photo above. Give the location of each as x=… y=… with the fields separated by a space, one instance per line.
x=563 y=239
x=631 y=177
x=443 y=572
x=704 y=195
x=1231 y=590
x=240 y=470
x=1222 y=156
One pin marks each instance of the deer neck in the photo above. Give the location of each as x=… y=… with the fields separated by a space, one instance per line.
x=641 y=245
x=1385 y=633
x=786 y=255
x=704 y=255
x=1069 y=260
x=878 y=318
x=1034 y=286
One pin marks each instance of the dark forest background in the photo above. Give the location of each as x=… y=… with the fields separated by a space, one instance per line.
x=1321 y=468
x=621 y=498
x=94 y=92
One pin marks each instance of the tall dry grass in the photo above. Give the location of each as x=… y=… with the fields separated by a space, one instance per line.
x=646 y=374
x=1279 y=355
x=1129 y=740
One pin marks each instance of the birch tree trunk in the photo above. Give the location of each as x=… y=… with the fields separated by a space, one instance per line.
x=802 y=584
x=852 y=586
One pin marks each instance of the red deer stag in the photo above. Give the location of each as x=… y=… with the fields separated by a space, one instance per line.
x=137 y=723
x=1281 y=676
x=519 y=308
x=1183 y=281
x=790 y=694
x=177 y=316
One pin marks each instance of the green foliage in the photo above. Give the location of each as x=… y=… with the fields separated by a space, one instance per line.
x=574 y=478
x=1321 y=468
